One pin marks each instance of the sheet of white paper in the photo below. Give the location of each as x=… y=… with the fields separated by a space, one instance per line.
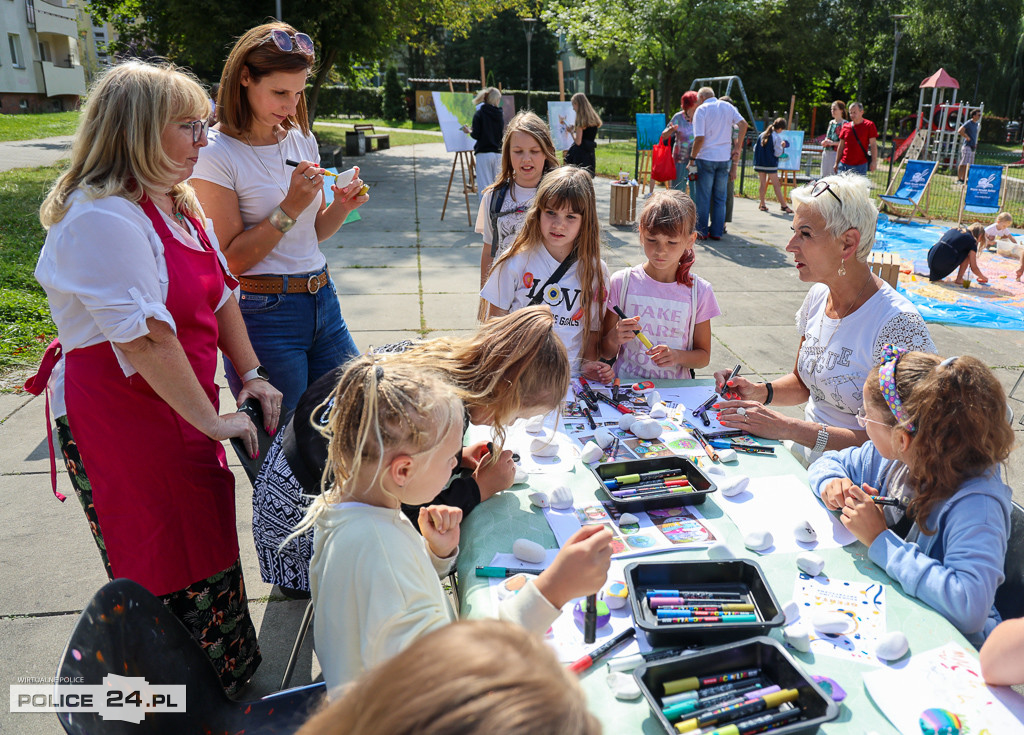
x=565 y=636
x=777 y=504
x=863 y=603
x=948 y=678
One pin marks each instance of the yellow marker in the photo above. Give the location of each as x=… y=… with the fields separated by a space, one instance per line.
x=640 y=335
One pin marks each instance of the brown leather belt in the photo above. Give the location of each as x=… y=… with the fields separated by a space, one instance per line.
x=283 y=284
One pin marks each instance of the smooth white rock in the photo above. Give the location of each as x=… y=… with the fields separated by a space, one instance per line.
x=561 y=498
x=535 y=425
x=646 y=428
x=720 y=550
x=728 y=455
x=626 y=420
x=539 y=499
x=591 y=452
x=758 y=540
x=545 y=446
x=659 y=411
x=603 y=438
x=804 y=532
x=732 y=485
x=791 y=610
x=832 y=622
x=628 y=519
x=623 y=686
x=717 y=473
x=653 y=398
x=797 y=636
x=810 y=563
x=892 y=646
x=529 y=551
x=521 y=476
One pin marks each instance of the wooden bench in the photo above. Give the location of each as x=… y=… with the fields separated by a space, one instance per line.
x=378 y=141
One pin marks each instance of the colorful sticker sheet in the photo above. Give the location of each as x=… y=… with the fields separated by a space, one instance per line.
x=863 y=603
x=946 y=678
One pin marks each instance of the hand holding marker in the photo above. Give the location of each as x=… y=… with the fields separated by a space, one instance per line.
x=340 y=180
x=640 y=335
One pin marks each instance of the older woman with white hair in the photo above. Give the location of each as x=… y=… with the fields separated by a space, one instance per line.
x=847 y=318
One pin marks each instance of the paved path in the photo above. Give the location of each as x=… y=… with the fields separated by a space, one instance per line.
x=401 y=272
x=379 y=128
x=39 y=152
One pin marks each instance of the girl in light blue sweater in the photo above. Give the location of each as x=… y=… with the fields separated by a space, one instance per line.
x=937 y=435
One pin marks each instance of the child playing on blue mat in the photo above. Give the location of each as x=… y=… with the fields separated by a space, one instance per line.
x=395 y=430
x=937 y=433
x=671 y=306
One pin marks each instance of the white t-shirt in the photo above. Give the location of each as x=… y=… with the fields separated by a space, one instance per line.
x=514 y=282
x=510 y=218
x=994 y=231
x=664 y=311
x=714 y=120
x=260 y=177
x=104 y=272
x=837 y=354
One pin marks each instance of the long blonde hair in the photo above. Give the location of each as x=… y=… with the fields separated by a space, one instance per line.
x=570 y=187
x=586 y=115
x=512 y=362
x=118 y=147
x=471 y=677
x=529 y=123
x=377 y=411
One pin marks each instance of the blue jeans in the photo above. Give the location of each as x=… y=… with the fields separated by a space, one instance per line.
x=297 y=337
x=860 y=168
x=682 y=182
x=712 y=185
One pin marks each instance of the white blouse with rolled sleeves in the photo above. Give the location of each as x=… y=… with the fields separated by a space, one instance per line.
x=837 y=354
x=260 y=178
x=104 y=273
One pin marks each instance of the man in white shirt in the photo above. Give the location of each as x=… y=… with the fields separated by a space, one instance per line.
x=714 y=152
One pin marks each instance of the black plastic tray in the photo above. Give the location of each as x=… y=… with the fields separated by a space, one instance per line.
x=761 y=652
x=700 y=483
x=727 y=575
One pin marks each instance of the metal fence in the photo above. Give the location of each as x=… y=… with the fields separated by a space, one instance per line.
x=942 y=200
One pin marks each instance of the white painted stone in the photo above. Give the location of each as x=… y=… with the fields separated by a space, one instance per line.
x=720 y=550
x=732 y=484
x=628 y=519
x=810 y=563
x=544 y=446
x=728 y=455
x=832 y=622
x=603 y=438
x=529 y=551
x=623 y=686
x=892 y=646
x=561 y=498
x=535 y=425
x=805 y=533
x=653 y=398
x=792 y=611
x=798 y=636
x=591 y=452
x=626 y=420
x=539 y=499
x=646 y=428
x=521 y=476
x=659 y=411
x=758 y=540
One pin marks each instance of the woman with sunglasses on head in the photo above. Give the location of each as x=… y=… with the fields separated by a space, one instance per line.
x=270 y=216
x=847 y=318
x=143 y=301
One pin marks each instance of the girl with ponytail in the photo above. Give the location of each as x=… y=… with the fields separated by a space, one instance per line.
x=672 y=306
x=938 y=433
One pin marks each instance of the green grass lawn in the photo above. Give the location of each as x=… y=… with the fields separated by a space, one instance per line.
x=406 y=125
x=336 y=136
x=43 y=125
x=25 y=325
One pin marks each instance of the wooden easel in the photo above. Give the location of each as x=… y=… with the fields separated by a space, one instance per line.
x=466 y=163
x=788 y=182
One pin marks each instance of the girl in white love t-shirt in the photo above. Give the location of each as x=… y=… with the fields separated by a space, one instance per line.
x=671 y=306
x=561 y=223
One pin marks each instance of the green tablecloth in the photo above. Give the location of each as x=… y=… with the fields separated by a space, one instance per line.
x=494 y=525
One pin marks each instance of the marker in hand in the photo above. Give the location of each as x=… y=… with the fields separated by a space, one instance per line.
x=640 y=335
x=290 y=162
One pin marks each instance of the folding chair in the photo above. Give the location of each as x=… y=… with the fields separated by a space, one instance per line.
x=982 y=192
x=1010 y=595
x=917 y=175
x=127 y=632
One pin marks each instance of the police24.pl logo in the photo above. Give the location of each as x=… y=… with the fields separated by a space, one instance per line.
x=124 y=698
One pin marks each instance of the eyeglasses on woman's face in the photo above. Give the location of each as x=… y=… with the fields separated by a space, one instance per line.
x=199 y=128
x=863 y=420
x=286 y=42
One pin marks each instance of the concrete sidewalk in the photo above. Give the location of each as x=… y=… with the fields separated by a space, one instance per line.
x=38 y=152
x=401 y=272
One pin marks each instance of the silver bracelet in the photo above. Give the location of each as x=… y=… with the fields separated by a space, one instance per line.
x=819 y=446
x=280 y=221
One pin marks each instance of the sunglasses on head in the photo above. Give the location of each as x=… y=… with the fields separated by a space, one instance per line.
x=286 y=42
x=820 y=186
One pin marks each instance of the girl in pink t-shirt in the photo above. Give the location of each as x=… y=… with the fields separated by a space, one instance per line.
x=671 y=306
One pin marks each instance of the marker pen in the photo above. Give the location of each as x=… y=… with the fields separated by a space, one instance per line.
x=638 y=477
x=590 y=417
x=761 y=723
x=639 y=335
x=737 y=712
x=737 y=696
x=881 y=500
x=696 y=594
x=628 y=663
x=504 y=571
x=746 y=685
x=691 y=683
x=620 y=407
x=582 y=664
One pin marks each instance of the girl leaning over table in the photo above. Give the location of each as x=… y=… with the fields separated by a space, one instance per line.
x=847 y=318
x=269 y=216
x=142 y=303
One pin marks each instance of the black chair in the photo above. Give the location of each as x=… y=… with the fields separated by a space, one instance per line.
x=127 y=631
x=1010 y=595
x=252 y=466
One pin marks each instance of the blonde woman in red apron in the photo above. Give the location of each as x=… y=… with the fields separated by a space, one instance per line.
x=142 y=301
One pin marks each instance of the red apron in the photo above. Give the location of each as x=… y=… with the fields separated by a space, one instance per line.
x=163 y=493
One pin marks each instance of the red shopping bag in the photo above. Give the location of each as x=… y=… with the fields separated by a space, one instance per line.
x=663 y=168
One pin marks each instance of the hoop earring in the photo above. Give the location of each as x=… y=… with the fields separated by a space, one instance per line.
x=842 y=268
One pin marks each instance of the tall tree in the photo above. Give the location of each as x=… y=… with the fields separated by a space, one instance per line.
x=502 y=43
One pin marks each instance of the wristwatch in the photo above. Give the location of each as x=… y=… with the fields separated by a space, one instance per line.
x=257 y=373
